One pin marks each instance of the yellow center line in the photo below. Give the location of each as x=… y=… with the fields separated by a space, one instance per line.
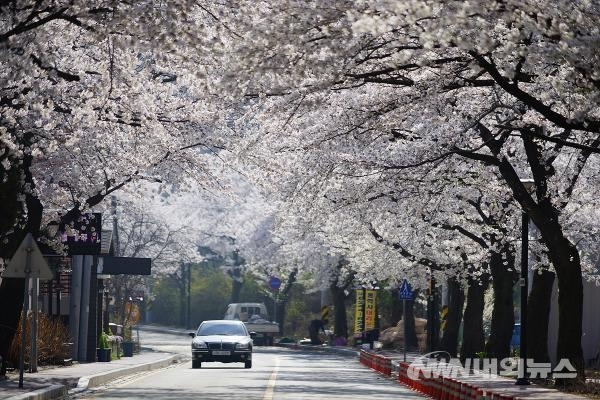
x=271 y=383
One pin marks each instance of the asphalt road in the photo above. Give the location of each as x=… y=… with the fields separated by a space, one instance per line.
x=277 y=373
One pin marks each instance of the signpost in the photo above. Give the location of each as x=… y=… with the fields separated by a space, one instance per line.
x=275 y=284
x=405 y=293
x=28 y=262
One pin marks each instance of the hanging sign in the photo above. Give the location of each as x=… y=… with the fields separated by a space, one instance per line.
x=370 y=300
x=358 y=311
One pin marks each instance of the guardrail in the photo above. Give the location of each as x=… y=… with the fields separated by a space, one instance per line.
x=434 y=385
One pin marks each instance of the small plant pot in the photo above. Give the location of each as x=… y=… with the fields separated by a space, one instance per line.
x=127 y=349
x=104 y=355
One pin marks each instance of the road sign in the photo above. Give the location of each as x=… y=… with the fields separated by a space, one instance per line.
x=444 y=318
x=274 y=283
x=28 y=262
x=325 y=313
x=405 y=292
x=20 y=266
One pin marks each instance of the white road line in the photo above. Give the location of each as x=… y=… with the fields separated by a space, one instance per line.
x=271 y=384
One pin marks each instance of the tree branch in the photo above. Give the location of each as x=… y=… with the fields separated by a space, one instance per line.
x=548 y=113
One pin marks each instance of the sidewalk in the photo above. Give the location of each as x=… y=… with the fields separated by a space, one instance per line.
x=55 y=382
x=342 y=350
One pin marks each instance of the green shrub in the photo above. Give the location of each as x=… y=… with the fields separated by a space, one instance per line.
x=103 y=341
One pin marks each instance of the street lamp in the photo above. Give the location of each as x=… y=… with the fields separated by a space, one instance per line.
x=523 y=379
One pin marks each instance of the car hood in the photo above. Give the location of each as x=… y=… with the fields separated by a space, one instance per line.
x=222 y=338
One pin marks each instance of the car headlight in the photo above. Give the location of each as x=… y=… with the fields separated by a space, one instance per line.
x=198 y=345
x=243 y=346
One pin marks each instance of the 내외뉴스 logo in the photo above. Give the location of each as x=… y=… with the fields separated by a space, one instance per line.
x=440 y=363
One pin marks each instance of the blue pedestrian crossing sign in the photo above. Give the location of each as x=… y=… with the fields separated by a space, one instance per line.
x=405 y=292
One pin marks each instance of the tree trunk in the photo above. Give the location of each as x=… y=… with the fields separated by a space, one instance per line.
x=570 y=307
x=456 y=302
x=567 y=264
x=281 y=314
x=340 y=285
x=561 y=251
x=338 y=297
x=236 y=287
x=503 y=316
x=11 y=297
x=409 y=319
x=11 y=289
x=473 y=336
x=538 y=315
x=283 y=299
x=396 y=309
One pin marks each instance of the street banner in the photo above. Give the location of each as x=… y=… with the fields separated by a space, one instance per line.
x=358 y=313
x=370 y=299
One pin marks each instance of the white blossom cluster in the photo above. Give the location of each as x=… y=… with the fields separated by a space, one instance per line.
x=375 y=132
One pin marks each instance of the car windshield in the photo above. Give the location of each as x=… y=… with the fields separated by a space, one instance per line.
x=221 y=329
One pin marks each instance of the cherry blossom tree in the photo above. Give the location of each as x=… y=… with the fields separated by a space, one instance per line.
x=382 y=115
x=143 y=230
x=93 y=96
x=377 y=88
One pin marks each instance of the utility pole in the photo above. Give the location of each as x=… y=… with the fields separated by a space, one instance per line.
x=113 y=203
x=182 y=296
x=189 y=291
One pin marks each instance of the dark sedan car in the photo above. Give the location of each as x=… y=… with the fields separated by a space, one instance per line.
x=221 y=341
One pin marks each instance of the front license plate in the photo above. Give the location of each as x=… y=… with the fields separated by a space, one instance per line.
x=221 y=353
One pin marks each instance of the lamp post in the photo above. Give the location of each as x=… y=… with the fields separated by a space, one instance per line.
x=523 y=379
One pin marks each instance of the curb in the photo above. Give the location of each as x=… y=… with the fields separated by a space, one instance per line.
x=159 y=329
x=86 y=382
x=329 y=349
x=47 y=393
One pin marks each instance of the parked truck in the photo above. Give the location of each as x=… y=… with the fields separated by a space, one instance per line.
x=256 y=319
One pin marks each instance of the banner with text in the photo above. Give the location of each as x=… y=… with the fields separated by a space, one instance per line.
x=370 y=299
x=358 y=313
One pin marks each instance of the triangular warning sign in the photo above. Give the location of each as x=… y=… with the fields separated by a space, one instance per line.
x=19 y=264
x=405 y=292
